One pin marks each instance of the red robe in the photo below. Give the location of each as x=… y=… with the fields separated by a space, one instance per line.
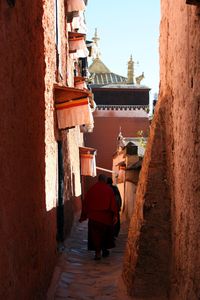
x=99 y=204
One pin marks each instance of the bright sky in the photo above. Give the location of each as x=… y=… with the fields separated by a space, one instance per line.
x=127 y=27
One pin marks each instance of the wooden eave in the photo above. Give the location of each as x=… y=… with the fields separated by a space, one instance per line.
x=79 y=79
x=70 y=15
x=130 y=90
x=63 y=93
x=84 y=150
x=75 y=35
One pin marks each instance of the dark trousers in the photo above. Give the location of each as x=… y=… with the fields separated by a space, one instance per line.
x=117 y=227
x=100 y=236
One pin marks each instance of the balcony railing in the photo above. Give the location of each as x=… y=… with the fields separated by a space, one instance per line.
x=122 y=107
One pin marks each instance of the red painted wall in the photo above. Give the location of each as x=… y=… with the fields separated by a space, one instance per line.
x=105 y=133
x=27 y=229
x=104 y=139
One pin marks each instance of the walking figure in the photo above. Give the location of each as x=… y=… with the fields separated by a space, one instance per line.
x=118 y=200
x=100 y=208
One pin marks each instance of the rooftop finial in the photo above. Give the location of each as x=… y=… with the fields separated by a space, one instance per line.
x=96 y=38
x=120 y=140
x=96 y=41
x=139 y=78
x=130 y=74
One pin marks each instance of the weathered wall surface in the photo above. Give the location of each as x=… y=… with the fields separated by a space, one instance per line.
x=180 y=86
x=27 y=150
x=72 y=140
x=146 y=264
x=130 y=190
x=171 y=171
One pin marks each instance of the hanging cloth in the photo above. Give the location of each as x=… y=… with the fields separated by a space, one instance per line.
x=88 y=161
x=78 y=46
x=78 y=23
x=73 y=113
x=75 y=5
x=79 y=83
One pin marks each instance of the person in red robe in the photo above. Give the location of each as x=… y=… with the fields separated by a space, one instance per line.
x=99 y=207
x=118 y=200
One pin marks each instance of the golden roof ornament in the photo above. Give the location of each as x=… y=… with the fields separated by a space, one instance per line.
x=130 y=73
x=120 y=140
x=97 y=65
x=139 y=78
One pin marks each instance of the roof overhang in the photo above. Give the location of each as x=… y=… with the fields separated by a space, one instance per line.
x=120 y=88
x=63 y=94
x=86 y=150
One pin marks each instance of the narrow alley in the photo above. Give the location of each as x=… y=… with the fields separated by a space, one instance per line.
x=73 y=108
x=78 y=276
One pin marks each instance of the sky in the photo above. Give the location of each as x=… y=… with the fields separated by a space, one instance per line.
x=127 y=28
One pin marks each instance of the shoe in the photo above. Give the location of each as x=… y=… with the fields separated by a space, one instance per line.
x=105 y=253
x=97 y=257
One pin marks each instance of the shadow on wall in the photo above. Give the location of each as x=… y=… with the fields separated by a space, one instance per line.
x=65 y=217
x=27 y=230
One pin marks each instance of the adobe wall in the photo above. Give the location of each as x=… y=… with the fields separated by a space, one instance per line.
x=72 y=140
x=28 y=150
x=162 y=259
x=180 y=86
x=146 y=263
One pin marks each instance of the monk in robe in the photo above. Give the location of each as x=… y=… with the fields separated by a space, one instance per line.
x=118 y=200
x=100 y=208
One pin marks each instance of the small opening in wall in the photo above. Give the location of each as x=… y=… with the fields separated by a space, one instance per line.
x=191 y=83
x=198 y=10
x=11 y=2
x=193 y=2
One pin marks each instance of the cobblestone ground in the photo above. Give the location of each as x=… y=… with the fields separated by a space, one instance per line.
x=78 y=276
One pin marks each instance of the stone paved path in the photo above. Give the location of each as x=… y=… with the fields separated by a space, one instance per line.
x=78 y=276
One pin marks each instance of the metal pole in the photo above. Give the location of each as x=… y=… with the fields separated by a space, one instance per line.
x=106 y=170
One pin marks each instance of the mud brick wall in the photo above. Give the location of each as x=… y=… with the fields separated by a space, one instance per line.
x=28 y=149
x=169 y=231
x=180 y=86
x=146 y=263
